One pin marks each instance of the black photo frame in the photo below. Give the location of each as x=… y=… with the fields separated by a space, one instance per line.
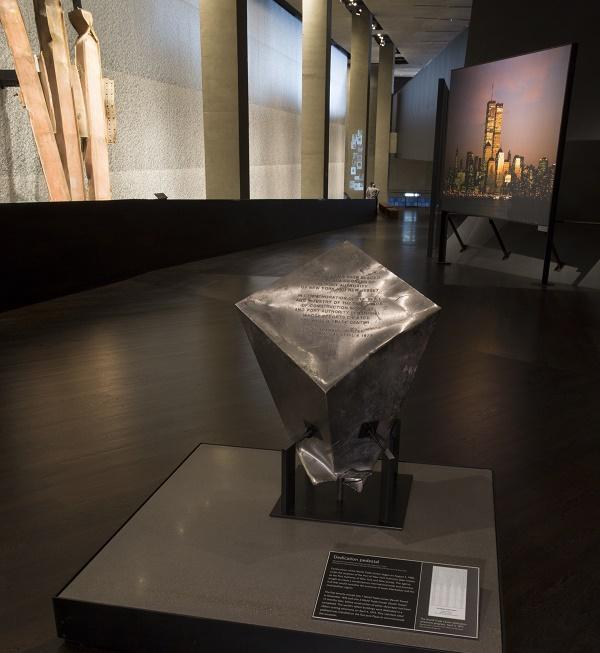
x=446 y=215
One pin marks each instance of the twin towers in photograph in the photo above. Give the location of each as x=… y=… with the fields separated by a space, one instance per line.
x=497 y=174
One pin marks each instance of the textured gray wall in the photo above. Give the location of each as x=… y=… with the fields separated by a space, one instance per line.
x=151 y=49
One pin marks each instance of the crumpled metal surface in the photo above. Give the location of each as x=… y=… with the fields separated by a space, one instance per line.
x=338 y=342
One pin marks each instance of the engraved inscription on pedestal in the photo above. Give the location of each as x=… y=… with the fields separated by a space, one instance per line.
x=338 y=342
x=346 y=306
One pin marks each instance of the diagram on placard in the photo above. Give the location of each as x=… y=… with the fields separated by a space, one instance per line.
x=448 y=597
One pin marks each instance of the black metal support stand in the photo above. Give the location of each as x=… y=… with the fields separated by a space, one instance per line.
x=340 y=493
x=389 y=476
x=499 y=238
x=438 y=158
x=382 y=502
x=559 y=165
x=559 y=263
x=288 y=481
x=443 y=237
x=455 y=229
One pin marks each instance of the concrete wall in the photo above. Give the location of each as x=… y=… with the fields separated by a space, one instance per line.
x=152 y=50
x=316 y=92
x=372 y=121
x=224 y=94
x=385 y=81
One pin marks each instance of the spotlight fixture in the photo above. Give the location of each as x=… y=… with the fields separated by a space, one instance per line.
x=355 y=7
x=381 y=38
x=399 y=59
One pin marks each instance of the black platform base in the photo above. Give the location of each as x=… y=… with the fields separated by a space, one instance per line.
x=320 y=503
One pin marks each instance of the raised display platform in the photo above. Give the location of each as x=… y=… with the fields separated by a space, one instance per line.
x=202 y=566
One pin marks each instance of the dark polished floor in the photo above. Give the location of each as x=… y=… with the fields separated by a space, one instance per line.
x=104 y=392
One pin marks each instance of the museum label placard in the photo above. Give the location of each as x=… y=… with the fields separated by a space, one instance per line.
x=394 y=593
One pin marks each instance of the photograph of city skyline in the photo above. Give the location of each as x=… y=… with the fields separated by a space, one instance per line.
x=504 y=121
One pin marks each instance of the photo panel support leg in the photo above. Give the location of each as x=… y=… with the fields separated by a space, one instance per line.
x=499 y=238
x=443 y=237
x=455 y=229
x=438 y=157
x=559 y=262
x=559 y=165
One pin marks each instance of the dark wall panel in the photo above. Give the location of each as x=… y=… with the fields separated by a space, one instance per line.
x=416 y=102
x=51 y=249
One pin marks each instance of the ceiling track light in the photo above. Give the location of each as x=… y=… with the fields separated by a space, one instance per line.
x=382 y=39
x=355 y=7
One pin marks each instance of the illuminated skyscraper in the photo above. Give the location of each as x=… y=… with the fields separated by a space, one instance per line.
x=499 y=169
x=494 y=173
x=490 y=177
x=470 y=172
x=492 y=136
x=487 y=155
x=496 y=143
x=517 y=165
x=488 y=136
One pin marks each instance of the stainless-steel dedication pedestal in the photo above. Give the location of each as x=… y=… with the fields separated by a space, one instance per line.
x=339 y=341
x=202 y=567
